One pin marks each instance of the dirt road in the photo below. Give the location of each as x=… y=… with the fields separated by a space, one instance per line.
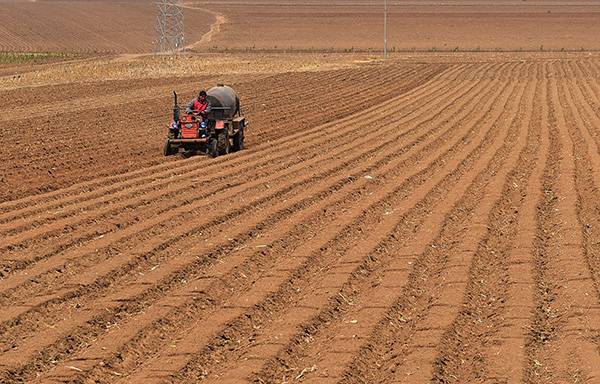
x=425 y=222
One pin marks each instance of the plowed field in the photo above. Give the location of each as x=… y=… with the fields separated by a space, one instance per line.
x=424 y=25
x=90 y=26
x=413 y=222
x=126 y=26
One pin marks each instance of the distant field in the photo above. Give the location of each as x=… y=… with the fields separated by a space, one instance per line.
x=86 y=26
x=128 y=26
x=347 y=25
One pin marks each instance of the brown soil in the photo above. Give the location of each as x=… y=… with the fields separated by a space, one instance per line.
x=127 y=26
x=96 y=26
x=354 y=25
x=427 y=219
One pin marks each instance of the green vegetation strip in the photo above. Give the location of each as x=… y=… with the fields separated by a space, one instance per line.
x=32 y=57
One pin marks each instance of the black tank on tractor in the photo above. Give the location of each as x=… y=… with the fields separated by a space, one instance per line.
x=219 y=133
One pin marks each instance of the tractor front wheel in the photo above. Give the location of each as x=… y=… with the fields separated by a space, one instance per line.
x=167 y=149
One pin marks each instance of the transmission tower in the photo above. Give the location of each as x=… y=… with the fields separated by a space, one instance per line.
x=169 y=26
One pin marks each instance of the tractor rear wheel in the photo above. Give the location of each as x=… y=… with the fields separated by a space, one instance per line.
x=222 y=143
x=238 y=140
x=212 y=148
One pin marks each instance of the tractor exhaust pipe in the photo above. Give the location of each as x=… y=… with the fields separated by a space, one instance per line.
x=176 y=109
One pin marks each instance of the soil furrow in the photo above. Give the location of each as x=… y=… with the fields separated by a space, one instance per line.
x=288 y=156
x=261 y=117
x=585 y=90
x=587 y=177
x=109 y=241
x=164 y=327
x=323 y=339
x=143 y=187
x=316 y=264
x=464 y=345
x=561 y=345
x=166 y=171
x=404 y=342
x=504 y=353
x=430 y=218
x=578 y=354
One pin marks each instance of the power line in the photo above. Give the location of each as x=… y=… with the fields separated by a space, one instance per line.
x=169 y=26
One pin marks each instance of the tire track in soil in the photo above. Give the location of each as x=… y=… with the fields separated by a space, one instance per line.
x=562 y=345
x=307 y=267
x=404 y=342
x=322 y=339
x=465 y=345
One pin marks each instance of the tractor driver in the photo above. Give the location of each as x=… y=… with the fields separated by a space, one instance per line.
x=199 y=105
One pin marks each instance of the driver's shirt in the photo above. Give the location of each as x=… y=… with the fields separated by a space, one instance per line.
x=195 y=106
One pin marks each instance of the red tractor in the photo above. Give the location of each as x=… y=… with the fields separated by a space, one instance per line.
x=220 y=132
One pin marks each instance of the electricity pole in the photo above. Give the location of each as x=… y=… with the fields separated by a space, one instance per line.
x=169 y=26
x=385 y=53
